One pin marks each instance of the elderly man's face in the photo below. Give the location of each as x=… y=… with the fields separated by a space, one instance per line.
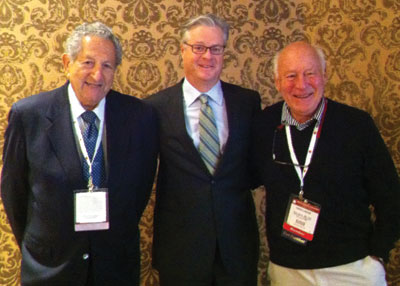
x=300 y=80
x=91 y=74
x=203 y=70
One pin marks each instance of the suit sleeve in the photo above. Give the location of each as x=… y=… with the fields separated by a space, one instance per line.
x=382 y=183
x=14 y=180
x=254 y=181
x=151 y=135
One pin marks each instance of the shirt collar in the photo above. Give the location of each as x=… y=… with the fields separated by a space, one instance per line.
x=77 y=108
x=190 y=93
x=288 y=119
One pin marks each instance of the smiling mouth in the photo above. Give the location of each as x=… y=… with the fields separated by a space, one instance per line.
x=302 y=96
x=94 y=84
x=206 y=66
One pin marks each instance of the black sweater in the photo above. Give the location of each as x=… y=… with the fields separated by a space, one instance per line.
x=351 y=169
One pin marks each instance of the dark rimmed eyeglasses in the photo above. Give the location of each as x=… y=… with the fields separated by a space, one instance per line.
x=281 y=127
x=200 y=49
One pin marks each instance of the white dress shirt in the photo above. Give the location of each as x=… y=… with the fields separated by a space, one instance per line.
x=192 y=104
x=76 y=112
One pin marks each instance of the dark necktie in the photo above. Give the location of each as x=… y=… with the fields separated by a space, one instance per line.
x=209 y=140
x=90 y=138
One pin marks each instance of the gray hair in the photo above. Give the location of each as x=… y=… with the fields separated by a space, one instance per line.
x=318 y=50
x=209 y=20
x=73 y=44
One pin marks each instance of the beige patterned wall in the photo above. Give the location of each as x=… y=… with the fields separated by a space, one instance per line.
x=361 y=39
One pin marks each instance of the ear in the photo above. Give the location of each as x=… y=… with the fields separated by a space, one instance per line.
x=325 y=76
x=277 y=83
x=66 y=61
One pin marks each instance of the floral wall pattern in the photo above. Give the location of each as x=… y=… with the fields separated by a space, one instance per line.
x=361 y=40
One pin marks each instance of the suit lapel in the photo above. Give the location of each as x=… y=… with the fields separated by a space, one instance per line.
x=176 y=120
x=233 y=112
x=62 y=138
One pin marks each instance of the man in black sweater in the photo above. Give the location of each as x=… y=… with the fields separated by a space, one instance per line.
x=323 y=165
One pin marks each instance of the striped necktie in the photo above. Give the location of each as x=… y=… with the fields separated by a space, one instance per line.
x=208 y=133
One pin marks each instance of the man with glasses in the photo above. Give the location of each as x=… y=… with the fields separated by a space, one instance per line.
x=323 y=165
x=205 y=229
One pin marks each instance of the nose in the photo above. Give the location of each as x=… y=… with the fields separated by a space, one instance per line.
x=301 y=82
x=207 y=54
x=97 y=72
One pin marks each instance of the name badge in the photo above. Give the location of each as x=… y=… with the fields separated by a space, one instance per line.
x=301 y=220
x=91 y=209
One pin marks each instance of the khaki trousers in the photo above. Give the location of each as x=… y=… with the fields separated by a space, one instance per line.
x=363 y=272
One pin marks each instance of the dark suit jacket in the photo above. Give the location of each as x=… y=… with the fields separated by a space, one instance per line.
x=41 y=170
x=196 y=213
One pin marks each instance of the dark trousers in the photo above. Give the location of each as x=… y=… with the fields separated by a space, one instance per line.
x=218 y=277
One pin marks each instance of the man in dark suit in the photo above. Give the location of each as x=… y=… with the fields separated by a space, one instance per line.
x=75 y=214
x=205 y=229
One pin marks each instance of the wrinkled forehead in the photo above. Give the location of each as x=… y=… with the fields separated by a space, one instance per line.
x=299 y=58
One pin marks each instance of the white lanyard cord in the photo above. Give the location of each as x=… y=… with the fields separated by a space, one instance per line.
x=302 y=171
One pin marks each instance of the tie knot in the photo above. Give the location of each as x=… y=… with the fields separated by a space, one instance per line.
x=89 y=117
x=203 y=98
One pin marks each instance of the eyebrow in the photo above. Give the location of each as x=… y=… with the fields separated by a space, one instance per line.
x=204 y=44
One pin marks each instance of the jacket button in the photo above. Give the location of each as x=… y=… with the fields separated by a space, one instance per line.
x=85 y=256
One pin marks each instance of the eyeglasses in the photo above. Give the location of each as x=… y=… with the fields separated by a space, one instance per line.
x=200 y=49
x=274 y=156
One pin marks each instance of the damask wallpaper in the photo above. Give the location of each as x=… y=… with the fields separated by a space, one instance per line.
x=361 y=39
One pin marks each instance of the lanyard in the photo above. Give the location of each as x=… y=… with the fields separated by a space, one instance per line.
x=302 y=171
x=84 y=151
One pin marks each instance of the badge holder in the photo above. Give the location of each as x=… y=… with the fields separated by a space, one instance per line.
x=91 y=209
x=300 y=220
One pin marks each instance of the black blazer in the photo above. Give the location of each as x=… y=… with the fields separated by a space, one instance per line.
x=196 y=212
x=41 y=170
